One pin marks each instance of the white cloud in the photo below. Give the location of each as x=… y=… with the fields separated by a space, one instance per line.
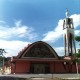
x=9 y=33
x=76 y=20
x=18 y=30
x=77 y=32
x=18 y=23
x=52 y=36
x=12 y=47
x=60 y=51
x=2 y=21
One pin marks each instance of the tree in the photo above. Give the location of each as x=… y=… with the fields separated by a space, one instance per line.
x=77 y=38
x=2 y=51
x=77 y=55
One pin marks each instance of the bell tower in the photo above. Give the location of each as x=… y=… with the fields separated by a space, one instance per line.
x=69 y=42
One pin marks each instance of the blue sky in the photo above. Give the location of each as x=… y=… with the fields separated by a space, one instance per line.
x=26 y=21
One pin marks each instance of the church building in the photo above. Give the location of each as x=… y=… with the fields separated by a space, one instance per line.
x=40 y=58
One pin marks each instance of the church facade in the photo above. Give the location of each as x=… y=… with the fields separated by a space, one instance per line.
x=40 y=58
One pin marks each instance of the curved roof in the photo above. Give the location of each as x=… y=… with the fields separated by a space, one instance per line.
x=38 y=49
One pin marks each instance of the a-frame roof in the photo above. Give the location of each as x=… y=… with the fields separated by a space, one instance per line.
x=38 y=49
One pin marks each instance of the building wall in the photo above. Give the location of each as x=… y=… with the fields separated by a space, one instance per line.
x=74 y=68
x=52 y=70
x=59 y=67
x=21 y=67
x=55 y=67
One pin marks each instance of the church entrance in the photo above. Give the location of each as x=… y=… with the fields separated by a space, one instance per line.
x=39 y=68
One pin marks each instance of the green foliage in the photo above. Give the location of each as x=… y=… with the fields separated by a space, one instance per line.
x=77 y=55
x=77 y=38
x=5 y=59
x=1 y=58
x=2 y=51
x=77 y=60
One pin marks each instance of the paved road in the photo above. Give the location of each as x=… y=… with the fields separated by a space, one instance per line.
x=64 y=76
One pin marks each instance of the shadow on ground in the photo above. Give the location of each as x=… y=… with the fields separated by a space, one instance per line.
x=11 y=78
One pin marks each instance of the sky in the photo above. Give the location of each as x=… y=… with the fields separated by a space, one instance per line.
x=23 y=22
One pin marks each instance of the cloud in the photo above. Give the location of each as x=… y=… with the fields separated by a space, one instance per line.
x=77 y=32
x=10 y=37
x=18 y=23
x=59 y=50
x=52 y=36
x=18 y=31
x=76 y=20
x=12 y=47
x=2 y=22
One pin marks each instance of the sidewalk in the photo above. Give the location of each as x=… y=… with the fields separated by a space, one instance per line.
x=62 y=76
